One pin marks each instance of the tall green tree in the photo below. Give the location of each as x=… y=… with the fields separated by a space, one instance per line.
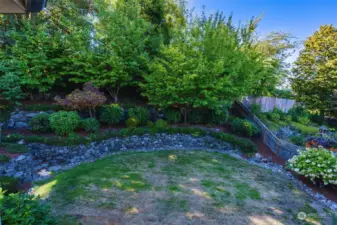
x=34 y=46
x=277 y=47
x=315 y=71
x=116 y=55
x=208 y=65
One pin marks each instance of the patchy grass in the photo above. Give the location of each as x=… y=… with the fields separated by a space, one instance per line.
x=177 y=187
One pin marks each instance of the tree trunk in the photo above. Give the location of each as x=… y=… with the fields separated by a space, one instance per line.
x=184 y=112
x=113 y=93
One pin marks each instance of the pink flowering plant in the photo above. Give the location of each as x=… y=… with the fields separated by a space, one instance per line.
x=317 y=164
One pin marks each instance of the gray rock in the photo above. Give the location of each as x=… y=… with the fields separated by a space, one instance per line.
x=11 y=123
x=21 y=125
x=55 y=168
x=18 y=174
x=32 y=114
x=21 y=157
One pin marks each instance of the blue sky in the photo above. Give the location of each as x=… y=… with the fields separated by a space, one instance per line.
x=298 y=17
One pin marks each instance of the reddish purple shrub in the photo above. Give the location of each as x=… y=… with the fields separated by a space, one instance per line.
x=89 y=98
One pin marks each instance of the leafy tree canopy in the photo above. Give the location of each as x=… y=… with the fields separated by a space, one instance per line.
x=315 y=72
x=208 y=65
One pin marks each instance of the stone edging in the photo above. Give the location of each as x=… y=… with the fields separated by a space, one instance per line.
x=42 y=160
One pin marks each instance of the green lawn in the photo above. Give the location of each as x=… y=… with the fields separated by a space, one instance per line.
x=176 y=187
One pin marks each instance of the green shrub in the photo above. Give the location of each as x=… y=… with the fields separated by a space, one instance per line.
x=111 y=114
x=220 y=116
x=245 y=145
x=64 y=123
x=173 y=116
x=303 y=120
x=297 y=140
x=161 y=124
x=141 y=114
x=10 y=88
x=132 y=122
x=244 y=127
x=13 y=137
x=40 y=123
x=4 y=158
x=22 y=208
x=263 y=117
x=296 y=112
x=150 y=124
x=274 y=116
x=316 y=164
x=91 y=125
x=9 y=184
x=287 y=118
x=278 y=111
x=256 y=109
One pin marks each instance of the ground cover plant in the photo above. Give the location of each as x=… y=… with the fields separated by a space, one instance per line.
x=177 y=187
x=319 y=165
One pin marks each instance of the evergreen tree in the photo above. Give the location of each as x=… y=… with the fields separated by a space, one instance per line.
x=315 y=72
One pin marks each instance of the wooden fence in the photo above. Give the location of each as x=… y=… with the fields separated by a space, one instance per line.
x=269 y=103
x=280 y=147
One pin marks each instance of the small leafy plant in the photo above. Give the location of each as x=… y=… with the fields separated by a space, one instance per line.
x=316 y=164
x=40 y=123
x=303 y=120
x=256 y=109
x=219 y=116
x=172 y=115
x=139 y=113
x=9 y=184
x=132 y=122
x=297 y=140
x=21 y=208
x=244 y=127
x=274 y=116
x=161 y=124
x=111 y=114
x=10 y=88
x=64 y=123
x=91 y=125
